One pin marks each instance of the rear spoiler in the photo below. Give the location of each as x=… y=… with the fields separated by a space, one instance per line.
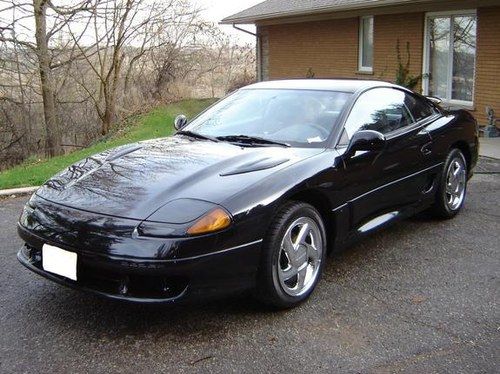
x=435 y=100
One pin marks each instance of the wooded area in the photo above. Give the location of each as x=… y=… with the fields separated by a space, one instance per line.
x=70 y=71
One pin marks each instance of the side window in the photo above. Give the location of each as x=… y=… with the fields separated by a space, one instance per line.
x=419 y=108
x=379 y=109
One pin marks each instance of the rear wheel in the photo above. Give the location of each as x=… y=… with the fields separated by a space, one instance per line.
x=453 y=186
x=293 y=256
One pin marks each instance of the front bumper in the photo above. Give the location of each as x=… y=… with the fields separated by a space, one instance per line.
x=151 y=280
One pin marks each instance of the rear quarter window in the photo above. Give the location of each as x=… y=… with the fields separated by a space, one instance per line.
x=419 y=107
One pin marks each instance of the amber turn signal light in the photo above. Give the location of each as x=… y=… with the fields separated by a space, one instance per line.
x=214 y=220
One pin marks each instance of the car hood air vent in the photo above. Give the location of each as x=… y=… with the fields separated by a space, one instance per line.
x=255 y=165
x=120 y=152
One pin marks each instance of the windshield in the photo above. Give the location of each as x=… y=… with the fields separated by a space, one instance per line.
x=300 y=118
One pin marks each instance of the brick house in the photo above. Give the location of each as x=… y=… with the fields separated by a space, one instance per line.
x=454 y=45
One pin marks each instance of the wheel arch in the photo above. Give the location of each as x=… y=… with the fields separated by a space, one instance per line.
x=321 y=203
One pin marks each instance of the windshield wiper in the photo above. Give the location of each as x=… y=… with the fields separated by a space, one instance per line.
x=196 y=135
x=246 y=139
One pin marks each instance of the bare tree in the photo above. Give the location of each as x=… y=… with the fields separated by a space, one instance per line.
x=44 y=53
x=72 y=69
x=53 y=136
x=124 y=31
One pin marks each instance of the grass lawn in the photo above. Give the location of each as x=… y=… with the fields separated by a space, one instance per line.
x=157 y=123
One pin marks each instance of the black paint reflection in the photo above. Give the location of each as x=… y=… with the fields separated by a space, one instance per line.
x=143 y=178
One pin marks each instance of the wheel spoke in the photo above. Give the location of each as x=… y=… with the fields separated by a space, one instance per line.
x=289 y=273
x=303 y=233
x=312 y=253
x=288 y=247
x=461 y=176
x=301 y=276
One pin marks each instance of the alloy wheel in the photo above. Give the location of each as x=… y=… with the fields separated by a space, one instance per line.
x=300 y=256
x=455 y=183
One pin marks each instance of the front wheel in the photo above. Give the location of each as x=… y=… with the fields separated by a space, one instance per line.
x=452 y=187
x=293 y=256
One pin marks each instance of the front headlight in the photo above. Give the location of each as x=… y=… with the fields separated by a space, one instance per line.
x=184 y=217
x=215 y=220
x=26 y=214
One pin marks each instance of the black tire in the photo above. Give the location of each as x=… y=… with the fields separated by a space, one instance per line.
x=269 y=289
x=441 y=207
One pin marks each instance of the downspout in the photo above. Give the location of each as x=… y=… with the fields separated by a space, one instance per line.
x=258 y=51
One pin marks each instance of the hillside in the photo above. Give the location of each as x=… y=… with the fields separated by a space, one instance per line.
x=157 y=123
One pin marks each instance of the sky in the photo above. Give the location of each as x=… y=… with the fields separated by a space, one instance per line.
x=212 y=10
x=216 y=10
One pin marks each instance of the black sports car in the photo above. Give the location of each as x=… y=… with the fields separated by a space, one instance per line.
x=251 y=194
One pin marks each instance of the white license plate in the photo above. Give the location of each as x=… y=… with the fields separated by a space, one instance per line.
x=59 y=261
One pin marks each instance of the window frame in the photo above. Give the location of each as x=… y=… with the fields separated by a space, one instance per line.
x=361 y=68
x=426 y=56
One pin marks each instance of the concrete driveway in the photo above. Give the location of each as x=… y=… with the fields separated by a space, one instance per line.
x=419 y=297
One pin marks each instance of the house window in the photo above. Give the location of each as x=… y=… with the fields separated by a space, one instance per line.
x=365 y=62
x=450 y=54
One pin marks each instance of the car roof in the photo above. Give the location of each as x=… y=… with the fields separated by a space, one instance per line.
x=342 y=85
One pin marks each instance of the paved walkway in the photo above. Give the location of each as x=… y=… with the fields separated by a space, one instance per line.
x=490 y=147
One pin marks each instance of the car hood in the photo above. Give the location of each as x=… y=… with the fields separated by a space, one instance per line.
x=133 y=181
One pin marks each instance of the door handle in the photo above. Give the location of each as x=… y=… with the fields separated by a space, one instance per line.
x=426 y=149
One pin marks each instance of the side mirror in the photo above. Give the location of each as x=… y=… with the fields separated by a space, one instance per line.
x=366 y=140
x=180 y=121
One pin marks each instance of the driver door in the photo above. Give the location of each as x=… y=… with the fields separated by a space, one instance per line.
x=378 y=185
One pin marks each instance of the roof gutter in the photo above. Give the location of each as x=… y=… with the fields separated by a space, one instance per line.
x=326 y=9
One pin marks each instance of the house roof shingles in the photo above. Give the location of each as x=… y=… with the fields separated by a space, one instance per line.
x=286 y=8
